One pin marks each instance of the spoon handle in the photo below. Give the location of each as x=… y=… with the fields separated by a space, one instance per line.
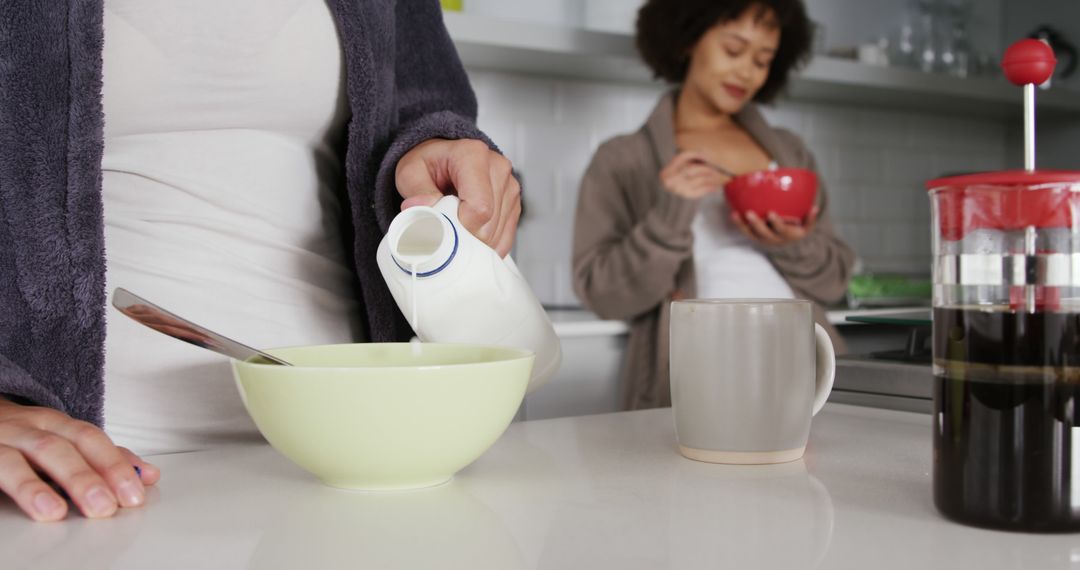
x=715 y=167
x=719 y=168
x=164 y=322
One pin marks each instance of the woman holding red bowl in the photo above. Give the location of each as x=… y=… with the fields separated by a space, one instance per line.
x=652 y=221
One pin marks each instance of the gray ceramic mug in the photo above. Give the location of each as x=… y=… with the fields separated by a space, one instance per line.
x=746 y=377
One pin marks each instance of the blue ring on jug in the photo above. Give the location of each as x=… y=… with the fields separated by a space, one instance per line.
x=453 y=252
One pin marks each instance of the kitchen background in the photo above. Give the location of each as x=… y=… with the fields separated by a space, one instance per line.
x=554 y=79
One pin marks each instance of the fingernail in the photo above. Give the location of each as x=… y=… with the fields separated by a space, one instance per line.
x=48 y=505
x=99 y=501
x=131 y=494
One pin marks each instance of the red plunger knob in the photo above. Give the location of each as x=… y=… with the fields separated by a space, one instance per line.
x=1028 y=61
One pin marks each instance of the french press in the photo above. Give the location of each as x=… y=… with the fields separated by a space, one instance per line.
x=1006 y=335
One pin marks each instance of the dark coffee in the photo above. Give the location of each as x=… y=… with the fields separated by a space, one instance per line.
x=1007 y=418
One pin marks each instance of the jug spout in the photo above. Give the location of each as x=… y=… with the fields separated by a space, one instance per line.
x=422 y=240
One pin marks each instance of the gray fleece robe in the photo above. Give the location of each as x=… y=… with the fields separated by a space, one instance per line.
x=404 y=83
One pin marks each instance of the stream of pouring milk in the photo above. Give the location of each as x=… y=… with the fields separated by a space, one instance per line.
x=414 y=342
x=416 y=246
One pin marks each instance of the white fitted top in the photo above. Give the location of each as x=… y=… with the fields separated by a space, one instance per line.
x=220 y=178
x=726 y=264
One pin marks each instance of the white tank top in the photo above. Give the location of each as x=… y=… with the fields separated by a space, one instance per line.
x=726 y=264
x=220 y=172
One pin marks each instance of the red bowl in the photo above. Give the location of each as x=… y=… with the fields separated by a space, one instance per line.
x=789 y=192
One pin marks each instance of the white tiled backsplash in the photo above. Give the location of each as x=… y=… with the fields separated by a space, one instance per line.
x=873 y=162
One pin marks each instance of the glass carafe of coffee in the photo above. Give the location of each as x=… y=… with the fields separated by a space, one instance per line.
x=1007 y=341
x=1007 y=349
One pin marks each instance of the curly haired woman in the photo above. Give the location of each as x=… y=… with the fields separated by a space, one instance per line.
x=651 y=223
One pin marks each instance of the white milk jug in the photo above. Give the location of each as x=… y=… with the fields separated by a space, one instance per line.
x=452 y=287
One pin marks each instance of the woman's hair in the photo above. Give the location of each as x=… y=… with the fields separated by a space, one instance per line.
x=668 y=30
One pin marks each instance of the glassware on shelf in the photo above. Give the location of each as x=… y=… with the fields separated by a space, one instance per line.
x=958 y=42
x=908 y=38
x=905 y=47
x=876 y=52
x=929 y=52
x=934 y=37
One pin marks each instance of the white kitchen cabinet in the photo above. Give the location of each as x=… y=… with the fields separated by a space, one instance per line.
x=559 y=50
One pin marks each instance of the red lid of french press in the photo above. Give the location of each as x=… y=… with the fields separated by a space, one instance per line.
x=1006 y=200
x=1005 y=178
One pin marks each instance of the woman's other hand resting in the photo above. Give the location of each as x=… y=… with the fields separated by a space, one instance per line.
x=41 y=445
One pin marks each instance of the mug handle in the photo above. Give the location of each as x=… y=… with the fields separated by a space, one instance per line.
x=825 y=367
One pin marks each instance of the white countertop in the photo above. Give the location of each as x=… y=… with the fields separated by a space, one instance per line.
x=596 y=492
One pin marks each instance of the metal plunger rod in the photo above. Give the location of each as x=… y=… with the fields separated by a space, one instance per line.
x=1029 y=127
x=1029 y=253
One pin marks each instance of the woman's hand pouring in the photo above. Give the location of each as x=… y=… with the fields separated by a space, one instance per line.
x=480 y=177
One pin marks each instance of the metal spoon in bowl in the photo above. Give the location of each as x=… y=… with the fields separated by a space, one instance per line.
x=726 y=172
x=163 y=321
x=718 y=168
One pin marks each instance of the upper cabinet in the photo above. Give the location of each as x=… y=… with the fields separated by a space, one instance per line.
x=574 y=52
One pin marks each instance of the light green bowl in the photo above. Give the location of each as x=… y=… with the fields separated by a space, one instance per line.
x=377 y=417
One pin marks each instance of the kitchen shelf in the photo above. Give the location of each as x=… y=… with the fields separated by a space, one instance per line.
x=574 y=52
